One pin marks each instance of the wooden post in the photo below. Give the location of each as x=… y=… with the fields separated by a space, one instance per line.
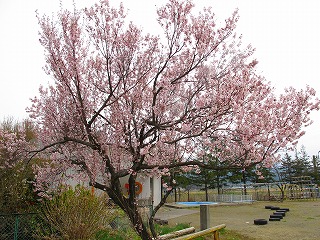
x=216 y=235
x=213 y=230
x=204 y=217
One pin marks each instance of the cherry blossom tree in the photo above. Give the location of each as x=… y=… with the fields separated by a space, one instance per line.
x=16 y=173
x=270 y=125
x=16 y=140
x=123 y=102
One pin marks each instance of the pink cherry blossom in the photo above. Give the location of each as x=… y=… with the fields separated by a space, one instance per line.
x=124 y=103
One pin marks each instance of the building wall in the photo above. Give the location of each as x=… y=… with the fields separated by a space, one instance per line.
x=156 y=191
x=151 y=188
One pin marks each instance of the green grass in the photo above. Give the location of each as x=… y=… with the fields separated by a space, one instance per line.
x=226 y=234
x=117 y=235
x=128 y=233
x=124 y=234
x=164 y=229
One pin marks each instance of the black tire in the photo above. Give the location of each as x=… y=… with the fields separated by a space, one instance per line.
x=260 y=221
x=281 y=210
x=276 y=216
x=268 y=207
x=274 y=208
x=280 y=213
x=274 y=219
x=286 y=209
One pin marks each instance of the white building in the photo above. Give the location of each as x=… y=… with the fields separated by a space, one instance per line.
x=147 y=189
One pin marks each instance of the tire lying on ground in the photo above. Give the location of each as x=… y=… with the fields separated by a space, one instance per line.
x=281 y=210
x=274 y=208
x=283 y=214
x=274 y=219
x=286 y=209
x=260 y=221
x=276 y=216
x=268 y=207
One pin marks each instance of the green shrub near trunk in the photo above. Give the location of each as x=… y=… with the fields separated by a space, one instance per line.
x=75 y=214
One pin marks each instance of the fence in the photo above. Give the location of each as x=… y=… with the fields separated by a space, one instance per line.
x=261 y=192
x=199 y=196
x=28 y=226
x=236 y=198
x=18 y=226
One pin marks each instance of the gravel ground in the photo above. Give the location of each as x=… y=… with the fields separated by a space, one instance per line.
x=301 y=222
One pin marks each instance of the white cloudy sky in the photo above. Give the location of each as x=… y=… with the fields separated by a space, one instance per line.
x=285 y=33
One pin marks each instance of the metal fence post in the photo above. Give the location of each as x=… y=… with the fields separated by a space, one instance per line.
x=16 y=227
x=204 y=217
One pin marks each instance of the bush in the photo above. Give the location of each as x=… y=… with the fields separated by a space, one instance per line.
x=75 y=214
x=16 y=189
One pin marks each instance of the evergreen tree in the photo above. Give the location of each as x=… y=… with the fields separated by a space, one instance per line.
x=295 y=167
x=286 y=171
x=301 y=164
x=315 y=170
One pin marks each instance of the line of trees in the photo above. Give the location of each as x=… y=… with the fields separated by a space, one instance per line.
x=297 y=165
x=292 y=166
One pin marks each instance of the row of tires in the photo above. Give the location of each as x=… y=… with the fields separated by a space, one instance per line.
x=276 y=216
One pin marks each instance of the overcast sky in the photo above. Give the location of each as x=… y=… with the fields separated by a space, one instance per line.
x=285 y=33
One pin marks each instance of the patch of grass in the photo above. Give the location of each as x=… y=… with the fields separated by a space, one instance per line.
x=164 y=229
x=117 y=235
x=124 y=234
x=226 y=234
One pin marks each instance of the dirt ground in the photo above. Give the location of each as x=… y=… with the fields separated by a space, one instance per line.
x=301 y=222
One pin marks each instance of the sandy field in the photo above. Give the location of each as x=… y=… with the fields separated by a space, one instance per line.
x=301 y=222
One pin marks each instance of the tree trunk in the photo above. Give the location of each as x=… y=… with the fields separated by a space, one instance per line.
x=175 y=195
x=282 y=188
x=127 y=204
x=315 y=169
x=218 y=184
x=154 y=211
x=206 y=190
x=244 y=180
x=140 y=227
